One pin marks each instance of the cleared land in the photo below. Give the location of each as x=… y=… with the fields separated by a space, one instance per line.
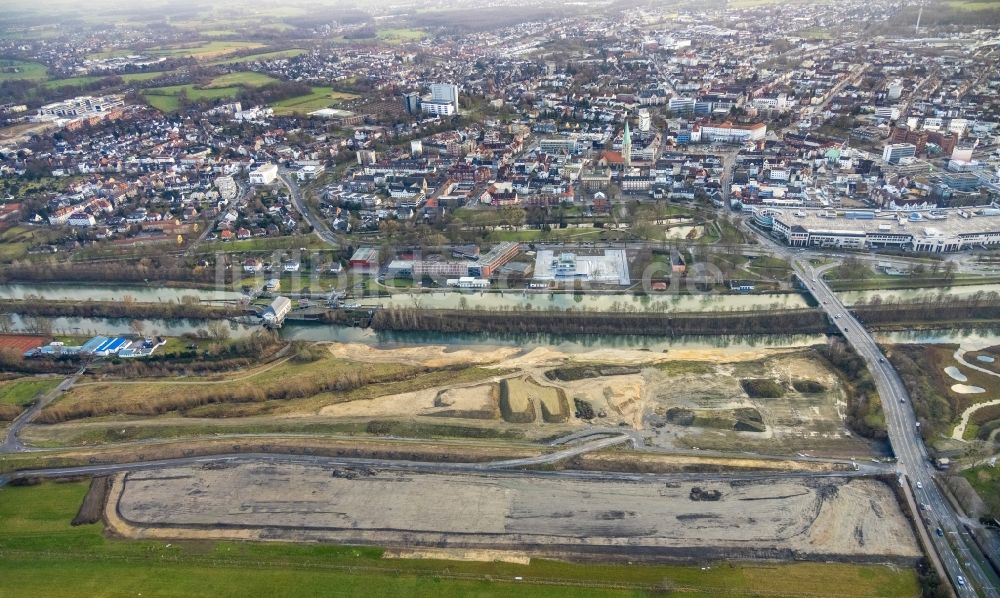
x=35 y=521
x=785 y=404
x=681 y=399
x=806 y=517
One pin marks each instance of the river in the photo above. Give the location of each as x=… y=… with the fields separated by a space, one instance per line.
x=972 y=338
x=497 y=300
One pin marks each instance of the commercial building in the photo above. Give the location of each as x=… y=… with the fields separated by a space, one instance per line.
x=895 y=152
x=610 y=268
x=935 y=231
x=264 y=174
x=728 y=132
x=561 y=145
x=681 y=106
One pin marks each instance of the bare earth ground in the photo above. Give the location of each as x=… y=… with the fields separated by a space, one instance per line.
x=814 y=518
x=706 y=381
x=797 y=422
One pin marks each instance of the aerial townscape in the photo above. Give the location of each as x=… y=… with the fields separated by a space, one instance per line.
x=500 y=298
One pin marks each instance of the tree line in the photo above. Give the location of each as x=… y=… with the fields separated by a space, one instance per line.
x=657 y=324
x=119 y=309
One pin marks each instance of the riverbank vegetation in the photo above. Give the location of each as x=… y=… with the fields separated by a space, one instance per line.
x=568 y=322
x=864 y=406
x=189 y=308
x=937 y=405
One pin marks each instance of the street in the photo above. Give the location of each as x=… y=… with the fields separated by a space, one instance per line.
x=913 y=462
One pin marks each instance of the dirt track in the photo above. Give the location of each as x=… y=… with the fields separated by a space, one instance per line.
x=815 y=518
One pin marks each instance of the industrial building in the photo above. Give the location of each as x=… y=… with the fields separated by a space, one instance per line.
x=274 y=315
x=365 y=259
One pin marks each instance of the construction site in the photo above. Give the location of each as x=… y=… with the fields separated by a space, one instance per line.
x=533 y=513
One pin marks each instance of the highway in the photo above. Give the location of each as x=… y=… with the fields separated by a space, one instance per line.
x=913 y=461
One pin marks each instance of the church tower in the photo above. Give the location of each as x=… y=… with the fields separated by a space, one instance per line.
x=627 y=146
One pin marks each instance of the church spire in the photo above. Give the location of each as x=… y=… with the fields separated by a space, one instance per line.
x=627 y=145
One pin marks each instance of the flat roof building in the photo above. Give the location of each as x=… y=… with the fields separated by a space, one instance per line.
x=934 y=231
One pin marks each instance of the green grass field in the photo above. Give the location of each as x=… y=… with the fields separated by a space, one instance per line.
x=74 y=81
x=23 y=391
x=166 y=99
x=144 y=76
x=399 y=36
x=204 y=51
x=321 y=97
x=248 y=79
x=43 y=555
x=262 y=56
x=30 y=71
x=973 y=4
x=15 y=241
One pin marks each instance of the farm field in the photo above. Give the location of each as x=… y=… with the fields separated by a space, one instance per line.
x=35 y=520
x=321 y=97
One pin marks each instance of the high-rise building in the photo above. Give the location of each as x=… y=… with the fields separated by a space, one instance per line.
x=416 y=148
x=895 y=152
x=895 y=90
x=445 y=93
x=443 y=101
x=411 y=102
